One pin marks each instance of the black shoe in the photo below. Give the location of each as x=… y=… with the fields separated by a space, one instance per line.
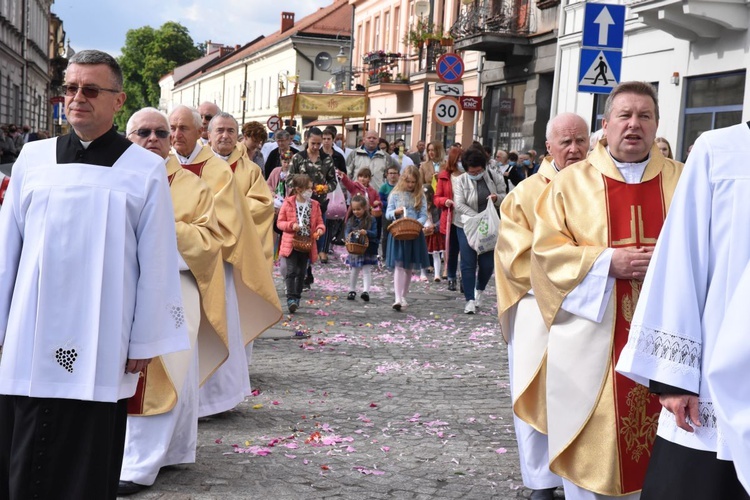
x=397 y=306
x=292 y=305
x=365 y=296
x=451 y=285
x=546 y=494
x=126 y=488
x=351 y=296
x=309 y=280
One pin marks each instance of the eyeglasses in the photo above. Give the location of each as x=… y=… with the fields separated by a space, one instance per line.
x=146 y=132
x=88 y=92
x=207 y=117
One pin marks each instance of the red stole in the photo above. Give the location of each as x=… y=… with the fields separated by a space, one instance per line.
x=196 y=168
x=635 y=213
x=135 y=403
x=234 y=165
x=3 y=188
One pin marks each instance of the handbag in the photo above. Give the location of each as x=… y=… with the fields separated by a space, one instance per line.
x=482 y=230
x=336 y=204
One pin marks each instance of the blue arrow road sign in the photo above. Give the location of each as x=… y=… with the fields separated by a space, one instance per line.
x=604 y=26
x=599 y=71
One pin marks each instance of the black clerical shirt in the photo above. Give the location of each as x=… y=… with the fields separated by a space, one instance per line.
x=105 y=150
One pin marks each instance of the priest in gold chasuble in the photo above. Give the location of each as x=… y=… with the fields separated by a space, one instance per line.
x=597 y=223
x=522 y=325
x=223 y=139
x=162 y=427
x=252 y=302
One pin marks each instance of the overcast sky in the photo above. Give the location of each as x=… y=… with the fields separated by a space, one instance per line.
x=102 y=24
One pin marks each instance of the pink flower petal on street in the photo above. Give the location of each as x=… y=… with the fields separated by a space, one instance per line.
x=385 y=449
x=287 y=455
x=501 y=451
x=368 y=472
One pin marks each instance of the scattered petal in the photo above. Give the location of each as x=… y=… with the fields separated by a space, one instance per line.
x=501 y=451
x=257 y=407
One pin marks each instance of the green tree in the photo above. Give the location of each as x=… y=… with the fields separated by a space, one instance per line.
x=148 y=55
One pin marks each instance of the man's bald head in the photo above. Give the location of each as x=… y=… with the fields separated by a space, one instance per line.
x=149 y=128
x=567 y=139
x=207 y=110
x=185 y=129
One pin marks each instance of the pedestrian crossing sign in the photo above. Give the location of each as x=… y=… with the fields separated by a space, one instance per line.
x=599 y=70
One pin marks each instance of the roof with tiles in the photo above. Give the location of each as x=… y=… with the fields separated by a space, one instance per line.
x=326 y=21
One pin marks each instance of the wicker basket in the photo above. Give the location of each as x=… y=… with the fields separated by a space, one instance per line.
x=405 y=229
x=302 y=243
x=357 y=247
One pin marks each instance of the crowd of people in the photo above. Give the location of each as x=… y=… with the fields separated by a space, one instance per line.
x=624 y=326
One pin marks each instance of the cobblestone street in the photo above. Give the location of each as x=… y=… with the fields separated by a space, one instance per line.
x=375 y=404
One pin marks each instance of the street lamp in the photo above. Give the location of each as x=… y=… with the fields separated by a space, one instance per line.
x=341 y=57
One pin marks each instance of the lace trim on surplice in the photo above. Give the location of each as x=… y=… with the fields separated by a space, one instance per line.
x=706 y=414
x=681 y=354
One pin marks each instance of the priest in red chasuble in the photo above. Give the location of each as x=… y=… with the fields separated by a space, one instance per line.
x=597 y=224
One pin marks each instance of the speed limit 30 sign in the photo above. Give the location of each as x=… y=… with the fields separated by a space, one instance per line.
x=446 y=111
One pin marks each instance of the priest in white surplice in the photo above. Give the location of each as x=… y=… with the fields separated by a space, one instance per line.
x=701 y=254
x=522 y=324
x=163 y=414
x=89 y=293
x=595 y=224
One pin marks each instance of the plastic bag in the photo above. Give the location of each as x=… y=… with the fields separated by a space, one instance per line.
x=336 y=204
x=482 y=230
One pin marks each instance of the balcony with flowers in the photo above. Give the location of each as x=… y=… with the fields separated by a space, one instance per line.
x=381 y=67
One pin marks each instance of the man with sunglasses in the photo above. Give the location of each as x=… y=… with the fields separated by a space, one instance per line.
x=207 y=110
x=163 y=415
x=89 y=293
x=252 y=302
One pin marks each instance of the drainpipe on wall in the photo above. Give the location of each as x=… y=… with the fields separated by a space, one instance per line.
x=312 y=63
x=25 y=67
x=476 y=134
x=426 y=91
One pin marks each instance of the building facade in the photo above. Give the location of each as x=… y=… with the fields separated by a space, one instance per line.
x=249 y=81
x=694 y=52
x=517 y=40
x=397 y=44
x=24 y=63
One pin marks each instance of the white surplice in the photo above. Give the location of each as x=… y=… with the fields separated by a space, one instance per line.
x=88 y=275
x=726 y=375
x=230 y=383
x=155 y=441
x=702 y=251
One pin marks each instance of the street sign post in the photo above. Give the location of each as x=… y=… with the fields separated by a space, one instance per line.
x=449 y=89
x=604 y=26
x=446 y=111
x=601 y=54
x=599 y=70
x=450 y=68
x=274 y=123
